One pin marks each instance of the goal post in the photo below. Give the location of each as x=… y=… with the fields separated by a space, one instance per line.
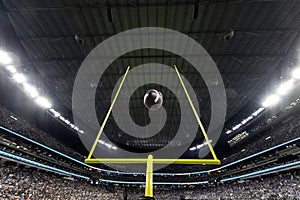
x=150 y=161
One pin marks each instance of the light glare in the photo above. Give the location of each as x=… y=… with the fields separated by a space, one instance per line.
x=101 y=142
x=32 y=91
x=296 y=73
x=257 y=112
x=193 y=148
x=19 y=78
x=54 y=112
x=5 y=58
x=11 y=69
x=43 y=102
x=61 y=118
x=271 y=101
x=285 y=87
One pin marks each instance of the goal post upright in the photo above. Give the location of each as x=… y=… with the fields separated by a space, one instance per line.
x=196 y=115
x=107 y=115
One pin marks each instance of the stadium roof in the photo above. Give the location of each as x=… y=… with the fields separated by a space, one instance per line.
x=253 y=44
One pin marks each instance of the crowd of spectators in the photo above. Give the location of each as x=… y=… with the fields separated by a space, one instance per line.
x=275 y=187
x=285 y=186
x=28 y=183
x=277 y=128
x=278 y=134
x=34 y=153
x=21 y=126
x=22 y=183
x=282 y=132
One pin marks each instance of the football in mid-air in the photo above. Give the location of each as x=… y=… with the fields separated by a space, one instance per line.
x=153 y=99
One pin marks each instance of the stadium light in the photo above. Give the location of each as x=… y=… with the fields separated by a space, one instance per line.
x=296 y=73
x=11 y=69
x=61 y=118
x=237 y=127
x=43 y=102
x=5 y=58
x=19 y=78
x=193 y=148
x=244 y=121
x=285 y=87
x=54 y=112
x=108 y=145
x=57 y=114
x=257 y=112
x=32 y=91
x=114 y=148
x=13 y=117
x=271 y=101
x=101 y=142
x=268 y=137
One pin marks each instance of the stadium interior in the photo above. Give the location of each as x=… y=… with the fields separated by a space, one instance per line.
x=47 y=133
